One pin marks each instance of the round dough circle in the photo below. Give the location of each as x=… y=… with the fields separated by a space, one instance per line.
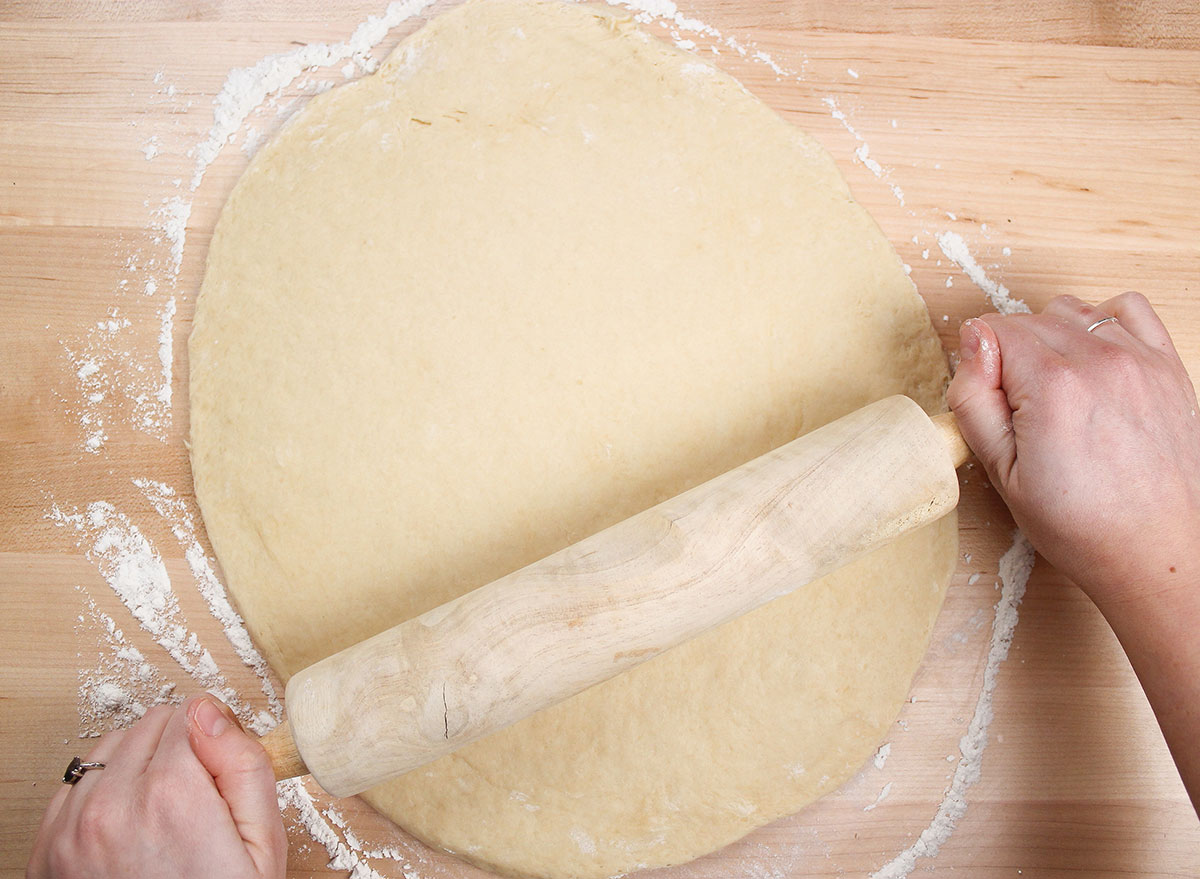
x=536 y=274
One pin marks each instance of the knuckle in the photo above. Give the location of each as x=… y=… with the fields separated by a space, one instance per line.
x=1121 y=363
x=98 y=821
x=107 y=743
x=156 y=712
x=1065 y=300
x=159 y=799
x=251 y=759
x=62 y=858
x=1058 y=377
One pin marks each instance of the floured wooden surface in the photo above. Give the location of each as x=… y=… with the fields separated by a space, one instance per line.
x=1079 y=159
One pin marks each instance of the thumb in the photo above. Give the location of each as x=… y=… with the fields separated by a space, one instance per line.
x=242 y=773
x=979 y=403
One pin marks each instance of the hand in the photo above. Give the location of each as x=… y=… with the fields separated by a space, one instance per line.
x=185 y=793
x=1092 y=439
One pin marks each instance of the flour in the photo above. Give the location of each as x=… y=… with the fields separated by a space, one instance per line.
x=862 y=152
x=122 y=684
x=99 y=364
x=883 y=795
x=864 y=155
x=584 y=842
x=667 y=14
x=953 y=245
x=135 y=572
x=175 y=511
x=292 y=793
x=346 y=852
x=247 y=87
x=1015 y=568
x=111 y=362
x=171 y=219
x=880 y=758
x=165 y=353
x=648 y=10
x=764 y=58
x=251 y=141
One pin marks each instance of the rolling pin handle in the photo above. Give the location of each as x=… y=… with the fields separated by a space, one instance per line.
x=959 y=451
x=281 y=748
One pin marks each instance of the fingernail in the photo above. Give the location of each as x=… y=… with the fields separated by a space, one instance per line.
x=968 y=340
x=211 y=720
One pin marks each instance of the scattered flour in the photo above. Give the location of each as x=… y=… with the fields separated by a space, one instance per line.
x=247 y=87
x=252 y=141
x=345 y=852
x=864 y=155
x=953 y=245
x=862 y=152
x=171 y=220
x=292 y=793
x=135 y=572
x=581 y=839
x=1015 y=567
x=882 y=754
x=883 y=795
x=165 y=350
x=122 y=684
x=175 y=511
x=105 y=370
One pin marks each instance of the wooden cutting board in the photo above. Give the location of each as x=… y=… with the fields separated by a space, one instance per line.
x=1059 y=140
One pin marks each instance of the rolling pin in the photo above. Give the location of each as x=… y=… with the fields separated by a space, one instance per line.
x=524 y=642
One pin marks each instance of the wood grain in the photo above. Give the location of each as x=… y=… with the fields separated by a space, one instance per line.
x=1069 y=128
x=622 y=596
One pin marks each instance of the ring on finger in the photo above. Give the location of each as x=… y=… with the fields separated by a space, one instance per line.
x=77 y=769
x=1104 y=320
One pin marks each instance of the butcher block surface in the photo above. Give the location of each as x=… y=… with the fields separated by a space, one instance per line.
x=1060 y=140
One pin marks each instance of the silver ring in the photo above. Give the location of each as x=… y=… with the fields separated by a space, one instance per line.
x=1101 y=322
x=76 y=770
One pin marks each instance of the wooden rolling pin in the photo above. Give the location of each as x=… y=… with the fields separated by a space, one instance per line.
x=541 y=634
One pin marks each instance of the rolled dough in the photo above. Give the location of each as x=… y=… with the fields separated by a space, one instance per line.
x=536 y=274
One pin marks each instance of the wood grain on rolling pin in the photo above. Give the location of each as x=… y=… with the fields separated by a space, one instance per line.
x=592 y=610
